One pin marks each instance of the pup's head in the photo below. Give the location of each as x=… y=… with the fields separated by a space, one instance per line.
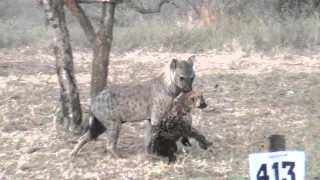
x=189 y=100
x=182 y=73
x=194 y=99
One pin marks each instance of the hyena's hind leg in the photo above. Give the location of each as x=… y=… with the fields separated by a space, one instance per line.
x=113 y=136
x=95 y=128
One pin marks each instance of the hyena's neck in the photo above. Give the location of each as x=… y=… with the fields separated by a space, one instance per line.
x=172 y=89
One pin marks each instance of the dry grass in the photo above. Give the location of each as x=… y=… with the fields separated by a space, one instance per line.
x=256 y=96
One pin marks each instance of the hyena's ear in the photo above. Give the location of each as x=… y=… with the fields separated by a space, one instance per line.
x=191 y=60
x=174 y=64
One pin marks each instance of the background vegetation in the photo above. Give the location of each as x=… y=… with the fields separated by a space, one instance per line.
x=253 y=25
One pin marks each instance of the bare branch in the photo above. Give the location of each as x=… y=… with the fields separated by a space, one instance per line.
x=99 y=1
x=196 y=9
x=156 y=9
x=84 y=23
x=101 y=50
x=107 y=19
x=140 y=3
x=103 y=15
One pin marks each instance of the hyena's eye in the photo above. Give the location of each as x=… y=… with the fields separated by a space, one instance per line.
x=181 y=78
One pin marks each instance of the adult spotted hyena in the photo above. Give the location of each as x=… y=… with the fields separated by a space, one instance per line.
x=149 y=100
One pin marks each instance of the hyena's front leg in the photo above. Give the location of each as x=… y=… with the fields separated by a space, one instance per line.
x=148 y=135
x=113 y=136
x=156 y=115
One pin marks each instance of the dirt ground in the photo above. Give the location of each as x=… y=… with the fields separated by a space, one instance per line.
x=248 y=97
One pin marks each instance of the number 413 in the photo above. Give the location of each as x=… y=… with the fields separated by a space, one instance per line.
x=263 y=173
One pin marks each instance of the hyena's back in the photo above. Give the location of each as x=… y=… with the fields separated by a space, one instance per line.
x=126 y=102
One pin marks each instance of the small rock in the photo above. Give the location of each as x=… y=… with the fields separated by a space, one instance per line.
x=33 y=149
x=23 y=163
x=35 y=146
x=290 y=92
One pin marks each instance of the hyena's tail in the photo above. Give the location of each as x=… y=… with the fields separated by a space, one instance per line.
x=94 y=127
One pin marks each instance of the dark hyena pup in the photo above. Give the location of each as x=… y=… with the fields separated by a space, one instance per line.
x=136 y=102
x=182 y=107
x=165 y=135
x=178 y=124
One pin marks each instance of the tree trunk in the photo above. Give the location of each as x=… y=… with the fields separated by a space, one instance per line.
x=101 y=50
x=70 y=112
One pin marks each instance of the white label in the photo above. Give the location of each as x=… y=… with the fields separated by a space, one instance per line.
x=282 y=165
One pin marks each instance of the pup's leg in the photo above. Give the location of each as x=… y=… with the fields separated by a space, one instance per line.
x=174 y=147
x=171 y=149
x=95 y=128
x=113 y=135
x=203 y=142
x=185 y=141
